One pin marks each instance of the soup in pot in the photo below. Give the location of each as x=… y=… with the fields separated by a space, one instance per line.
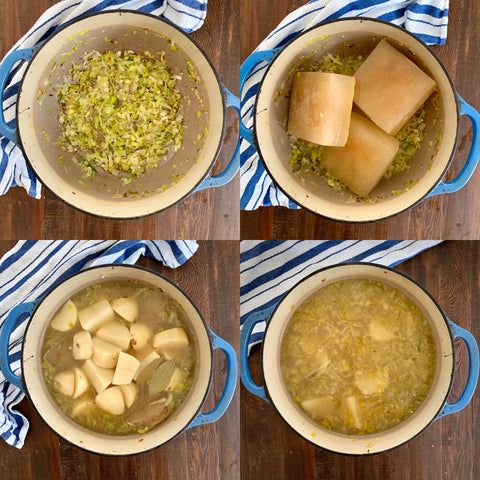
x=118 y=357
x=358 y=357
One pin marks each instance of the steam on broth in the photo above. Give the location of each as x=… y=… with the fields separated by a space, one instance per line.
x=118 y=357
x=358 y=357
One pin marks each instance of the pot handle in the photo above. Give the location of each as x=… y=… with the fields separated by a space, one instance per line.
x=232 y=168
x=230 y=383
x=245 y=336
x=473 y=156
x=473 y=370
x=245 y=70
x=6 y=332
x=5 y=69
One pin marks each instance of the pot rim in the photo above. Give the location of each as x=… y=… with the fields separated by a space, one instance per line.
x=81 y=446
x=373 y=436
x=356 y=20
x=160 y=20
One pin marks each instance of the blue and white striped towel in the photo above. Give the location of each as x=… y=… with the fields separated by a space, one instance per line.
x=32 y=268
x=425 y=18
x=187 y=14
x=269 y=269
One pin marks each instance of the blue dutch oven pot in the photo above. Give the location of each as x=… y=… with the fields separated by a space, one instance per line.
x=269 y=106
x=31 y=381
x=434 y=406
x=35 y=127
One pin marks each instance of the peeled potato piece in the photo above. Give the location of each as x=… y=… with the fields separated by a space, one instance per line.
x=370 y=382
x=65 y=382
x=365 y=158
x=127 y=366
x=140 y=335
x=81 y=382
x=129 y=393
x=390 y=88
x=83 y=407
x=93 y=317
x=322 y=407
x=177 y=378
x=379 y=332
x=351 y=411
x=82 y=345
x=100 y=378
x=66 y=317
x=105 y=354
x=320 y=107
x=115 y=333
x=126 y=307
x=171 y=339
x=111 y=400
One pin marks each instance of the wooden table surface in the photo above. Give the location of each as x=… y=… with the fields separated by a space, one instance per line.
x=451 y=216
x=449 y=449
x=207 y=452
x=209 y=214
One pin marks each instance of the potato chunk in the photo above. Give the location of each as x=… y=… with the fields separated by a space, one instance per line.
x=99 y=377
x=105 y=354
x=111 y=400
x=127 y=366
x=370 y=382
x=177 y=378
x=83 y=407
x=66 y=317
x=140 y=335
x=93 y=317
x=379 y=332
x=81 y=382
x=82 y=345
x=115 y=333
x=351 y=411
x=390 y=88
x=171 y=339
x=65 y=382
x=365 y=158
x=126 y=307
x=129 y=393
x=322 y=407
x=320 y=107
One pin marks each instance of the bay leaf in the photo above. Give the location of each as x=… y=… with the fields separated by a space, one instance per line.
x=161 y=378
x=147 y=372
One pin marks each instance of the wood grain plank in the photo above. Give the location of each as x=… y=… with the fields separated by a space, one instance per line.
x=40 y=460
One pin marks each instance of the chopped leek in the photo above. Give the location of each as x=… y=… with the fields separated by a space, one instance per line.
x=120 y=111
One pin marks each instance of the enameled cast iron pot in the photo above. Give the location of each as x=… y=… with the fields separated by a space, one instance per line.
x=32 y=383
x=435 y=404
x=429 y=164
x=37 y=129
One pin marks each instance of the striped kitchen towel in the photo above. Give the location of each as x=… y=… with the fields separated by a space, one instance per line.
x=14 y=171
x=425 y=18
x=32 y=268
x=269 y=269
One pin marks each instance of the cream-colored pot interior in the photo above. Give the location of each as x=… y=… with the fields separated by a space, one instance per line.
x=366 y=444
x=428 y=165
x=39 y=129
x=66 y=428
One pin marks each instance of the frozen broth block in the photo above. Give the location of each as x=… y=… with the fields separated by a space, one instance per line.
x=320 y=107
x=363 y=161
x=390 y=88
